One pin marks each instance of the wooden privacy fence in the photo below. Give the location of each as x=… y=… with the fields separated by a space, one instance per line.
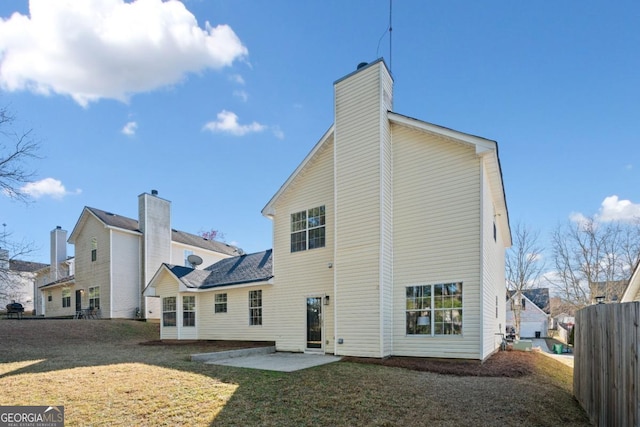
x=606 y=374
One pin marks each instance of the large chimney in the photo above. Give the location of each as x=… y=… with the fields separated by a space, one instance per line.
x=154 y=216
x=58 y=252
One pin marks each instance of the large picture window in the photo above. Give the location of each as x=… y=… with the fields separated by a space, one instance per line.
x=189 y=310
x=308 y=229
x=255 y=308
x=169 y=311
x=434 y=309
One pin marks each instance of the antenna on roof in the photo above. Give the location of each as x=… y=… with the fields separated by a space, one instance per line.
x=390 y=30
x=194 y=260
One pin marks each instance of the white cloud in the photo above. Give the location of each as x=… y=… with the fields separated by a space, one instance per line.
x=277 y=132
x=243 y=95
x=237 y=78
x=130 y=128
x=95 y=49
x=611 y=209
x=614 y=209
x=47 y=187
x=227 y=122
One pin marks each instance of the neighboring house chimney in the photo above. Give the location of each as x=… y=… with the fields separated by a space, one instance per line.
x=154 y=216
x=58 y=252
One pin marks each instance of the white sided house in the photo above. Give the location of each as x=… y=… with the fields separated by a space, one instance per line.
x=116 y=256
x=534 y=309
x=389 y=239
x=632 y=293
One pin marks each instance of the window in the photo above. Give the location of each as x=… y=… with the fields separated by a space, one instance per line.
x=94 y=297
x=515 y=306
x=186 y=258
x=94 y=249
x=49 y=296
x=66 y=297
x=169 y=311
x=220 y=305
x=189 y=310
x=308 y=229
x=434 y=309
x=255 y=308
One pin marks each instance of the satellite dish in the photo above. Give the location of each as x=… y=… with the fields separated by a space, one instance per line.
x=194 y=260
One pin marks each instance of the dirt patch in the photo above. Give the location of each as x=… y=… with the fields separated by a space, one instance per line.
x=509 y=364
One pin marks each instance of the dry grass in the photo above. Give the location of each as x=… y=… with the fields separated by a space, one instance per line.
x=103 y=376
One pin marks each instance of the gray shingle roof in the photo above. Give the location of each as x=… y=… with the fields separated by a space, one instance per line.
x=25 y=266
x=243 y=269
x=130 y=224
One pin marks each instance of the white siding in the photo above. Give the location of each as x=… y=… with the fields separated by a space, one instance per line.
x=436 y=235
x=306 y=273
x=362 y=207
x=208 y=257
x=125 y=289
x=493 y=274
x=234 y=324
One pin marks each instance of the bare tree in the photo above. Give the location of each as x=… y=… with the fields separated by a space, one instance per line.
x=212 y=234
x=16 y=150
x=593 y=257
x=524 y=266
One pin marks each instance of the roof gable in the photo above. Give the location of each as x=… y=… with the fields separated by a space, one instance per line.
x=538 y=297
x=634 y=285
x=118 y=222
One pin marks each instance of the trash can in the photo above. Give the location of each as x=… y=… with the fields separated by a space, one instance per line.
x=538 y=334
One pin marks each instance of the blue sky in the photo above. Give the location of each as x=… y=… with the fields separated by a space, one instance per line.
x=215 y=103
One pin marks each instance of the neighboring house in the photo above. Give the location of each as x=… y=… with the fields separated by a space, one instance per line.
x=389 y=239
x=607 y=292
x=632 y=293
x=116 y=256
x=534 y=312
x=17 y=280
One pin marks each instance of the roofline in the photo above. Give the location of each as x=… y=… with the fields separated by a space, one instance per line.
x=483 y=147
x=633 y=286
x=269 y=211
x=228 y=285
x=531 y=301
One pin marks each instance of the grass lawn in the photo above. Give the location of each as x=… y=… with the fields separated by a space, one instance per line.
x=103 y=376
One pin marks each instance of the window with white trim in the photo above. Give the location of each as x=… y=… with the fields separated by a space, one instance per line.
x=308 y=229
x=94 y=249
x=94 y=297
x=169 y=311
x=255 y=308
x=434 y=309
x=220 y=303
x=189 y=310
x=66 y=297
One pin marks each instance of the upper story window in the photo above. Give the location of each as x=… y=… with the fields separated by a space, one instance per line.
x=94 y=249
x=308 y=229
